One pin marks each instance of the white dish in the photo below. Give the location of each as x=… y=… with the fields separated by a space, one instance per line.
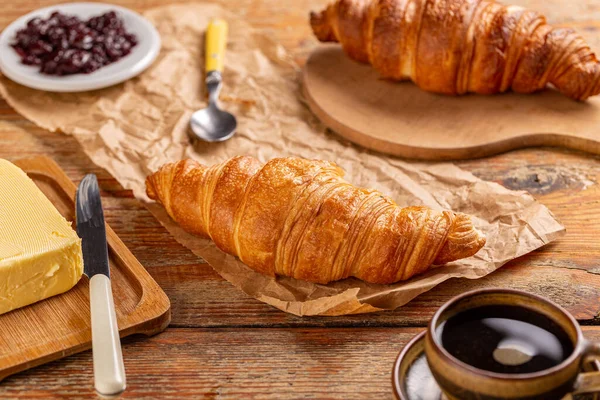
x=140 y=58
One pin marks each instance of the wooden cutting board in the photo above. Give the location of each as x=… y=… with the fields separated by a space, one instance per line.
x=60 y=326
x=400 y=119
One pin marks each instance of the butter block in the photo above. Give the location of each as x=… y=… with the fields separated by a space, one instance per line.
x=40 y=253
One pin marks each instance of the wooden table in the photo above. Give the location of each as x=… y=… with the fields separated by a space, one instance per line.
x=223 y=344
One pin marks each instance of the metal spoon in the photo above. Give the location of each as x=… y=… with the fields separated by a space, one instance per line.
x=213 y=124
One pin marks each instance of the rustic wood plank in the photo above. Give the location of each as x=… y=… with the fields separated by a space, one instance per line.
x=237 y=364
x=283 y=16
x=292 y=362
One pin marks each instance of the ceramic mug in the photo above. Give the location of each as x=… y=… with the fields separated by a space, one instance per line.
x=461 y=381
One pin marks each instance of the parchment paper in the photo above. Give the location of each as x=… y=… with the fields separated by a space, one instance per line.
x=133 y=128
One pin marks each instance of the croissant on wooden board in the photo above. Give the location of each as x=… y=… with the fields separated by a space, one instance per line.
x=299 y=218
x=459 y=46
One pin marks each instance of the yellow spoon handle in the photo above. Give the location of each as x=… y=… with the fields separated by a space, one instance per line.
x=216 y=39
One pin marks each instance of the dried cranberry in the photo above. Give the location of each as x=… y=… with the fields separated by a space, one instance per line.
x=64 y=44
x=31 y=60
x=40 y=47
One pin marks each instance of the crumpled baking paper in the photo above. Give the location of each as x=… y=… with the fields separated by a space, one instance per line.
x=133 y=128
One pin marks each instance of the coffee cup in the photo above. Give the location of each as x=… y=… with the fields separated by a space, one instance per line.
x=497 y=344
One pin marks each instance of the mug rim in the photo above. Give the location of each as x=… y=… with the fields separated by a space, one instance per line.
x=577 y=347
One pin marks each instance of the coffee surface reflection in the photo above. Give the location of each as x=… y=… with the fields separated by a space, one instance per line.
x=505 y=339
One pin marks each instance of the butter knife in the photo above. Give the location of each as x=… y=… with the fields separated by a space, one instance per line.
x=109 y=371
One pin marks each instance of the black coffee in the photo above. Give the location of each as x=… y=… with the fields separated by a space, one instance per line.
x=505 y=339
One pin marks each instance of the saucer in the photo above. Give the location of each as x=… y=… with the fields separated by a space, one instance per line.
x=412 y=378
x=140 y=58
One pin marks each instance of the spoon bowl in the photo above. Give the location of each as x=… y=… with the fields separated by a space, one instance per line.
x=212 y=124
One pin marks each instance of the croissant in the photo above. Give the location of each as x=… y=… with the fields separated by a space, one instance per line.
x=459 y=46
x=299 y=218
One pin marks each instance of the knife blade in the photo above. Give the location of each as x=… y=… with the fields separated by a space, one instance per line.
x=91 y=229
x=109 y=371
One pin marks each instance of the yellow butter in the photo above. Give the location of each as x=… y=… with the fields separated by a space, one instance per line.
x=40 y=253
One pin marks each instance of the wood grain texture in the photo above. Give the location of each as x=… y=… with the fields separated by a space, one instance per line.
x=238 y=364
x=61 y=325
x=183 y=361
x=400 y=119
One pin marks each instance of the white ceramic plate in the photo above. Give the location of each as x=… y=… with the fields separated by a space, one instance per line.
x=140 y=58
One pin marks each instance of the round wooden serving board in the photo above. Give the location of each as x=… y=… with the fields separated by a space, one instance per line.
x=400 y=119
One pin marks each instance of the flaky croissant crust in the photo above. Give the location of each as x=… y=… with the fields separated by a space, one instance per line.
x=459 y=46
x=299 y=218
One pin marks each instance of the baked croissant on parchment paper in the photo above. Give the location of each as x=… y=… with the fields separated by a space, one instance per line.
x=460 y=46
x=299 y=218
